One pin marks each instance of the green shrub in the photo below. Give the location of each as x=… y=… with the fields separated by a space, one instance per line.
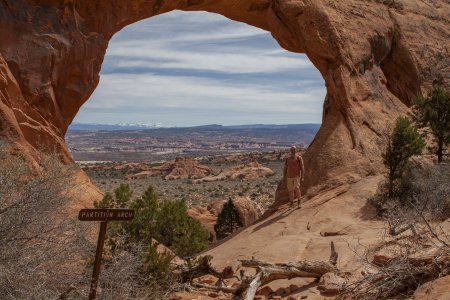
x=228 y=220
x=157 y=265
x=143 y=227
x=404 y=142
x=433 y=111
x=178 y=231
x=167 y=222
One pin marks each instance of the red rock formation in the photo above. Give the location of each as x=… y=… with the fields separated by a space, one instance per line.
x=244 y=205
x=246 y=209
x=247 y=172
x=208 y=216
x=186 y=167
x=204 y=216
x=374 y=56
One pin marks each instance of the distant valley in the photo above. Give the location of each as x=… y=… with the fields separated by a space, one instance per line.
x=97 y=142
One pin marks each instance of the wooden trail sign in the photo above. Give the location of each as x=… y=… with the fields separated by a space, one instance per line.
x=104 y=215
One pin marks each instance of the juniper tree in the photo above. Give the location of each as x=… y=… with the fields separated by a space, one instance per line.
x=142 y=227
x=404 y=142
x=433 y=111
x=228 y=220
x=174 y=228
x=121 y=199
x=167 y=222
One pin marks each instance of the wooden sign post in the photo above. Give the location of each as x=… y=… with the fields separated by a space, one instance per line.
x=103 y=215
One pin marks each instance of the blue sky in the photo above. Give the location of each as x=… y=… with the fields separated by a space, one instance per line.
x=196 y=68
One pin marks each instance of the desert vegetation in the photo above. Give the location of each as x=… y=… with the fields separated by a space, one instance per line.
x=196 y=192
x=432 y=113
x=228 y=220
x=414 y=201
x=40 y=243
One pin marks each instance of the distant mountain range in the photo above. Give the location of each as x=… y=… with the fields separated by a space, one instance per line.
x=117 y=127
x=111 y=127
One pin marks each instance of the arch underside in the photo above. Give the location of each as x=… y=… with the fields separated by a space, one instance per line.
x=372 y=56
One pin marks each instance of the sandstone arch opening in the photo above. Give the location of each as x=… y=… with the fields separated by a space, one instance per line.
x=51 y=58
x=196 y=68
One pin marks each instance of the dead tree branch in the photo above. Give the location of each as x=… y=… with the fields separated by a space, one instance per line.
x=267 y=272
x=334 y=255
x=203 y=267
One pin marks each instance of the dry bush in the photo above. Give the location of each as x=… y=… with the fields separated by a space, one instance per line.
x=415 y=248
x=125 y=272
x=40 y=245
x=422 y=195
x=120 y=274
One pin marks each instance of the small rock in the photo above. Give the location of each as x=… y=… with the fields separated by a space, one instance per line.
x=304 y=297
x=293 y=288
x=208 y=279
x=265 y=291
x=330 y=283
x=283 y=291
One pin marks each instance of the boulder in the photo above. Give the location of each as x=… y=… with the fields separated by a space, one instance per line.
x=204 y=216
x=245 y=206
x=208 y=216
x=247 y=210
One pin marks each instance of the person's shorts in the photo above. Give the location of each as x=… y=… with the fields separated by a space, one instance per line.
x=293 y=183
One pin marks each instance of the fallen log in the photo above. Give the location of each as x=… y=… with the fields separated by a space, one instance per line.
x=267 y=272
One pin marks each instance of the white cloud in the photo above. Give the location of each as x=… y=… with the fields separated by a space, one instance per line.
x=150 y=91
x=202 y=68
x=219 y=62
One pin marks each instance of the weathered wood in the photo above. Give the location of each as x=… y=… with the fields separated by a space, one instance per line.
x=314 y=269
x=334 y=255
x=203 y=267
x=398 y=276
x=394 y=230
x=267 y=272
x=215 y=288
x=250 y=291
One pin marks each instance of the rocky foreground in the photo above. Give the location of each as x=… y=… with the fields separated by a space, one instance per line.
x=341 y=216
x=374 y=56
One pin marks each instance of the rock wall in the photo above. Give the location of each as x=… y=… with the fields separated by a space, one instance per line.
x=374 y=56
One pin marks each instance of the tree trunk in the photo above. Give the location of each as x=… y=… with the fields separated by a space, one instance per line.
x=440 y=149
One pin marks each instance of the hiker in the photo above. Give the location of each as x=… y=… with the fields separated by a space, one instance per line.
x=294 y=171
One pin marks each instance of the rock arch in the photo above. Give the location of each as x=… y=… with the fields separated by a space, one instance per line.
x=374 y=56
